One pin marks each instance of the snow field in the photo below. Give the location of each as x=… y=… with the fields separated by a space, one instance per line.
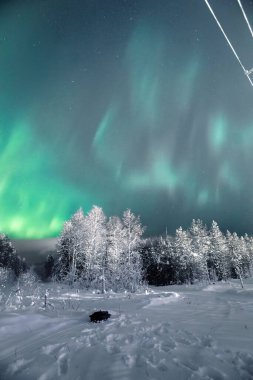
x=174 y=332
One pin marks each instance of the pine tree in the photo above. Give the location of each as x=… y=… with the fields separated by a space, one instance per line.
x=162 y=267
x=9 y=258
x=217 y=256
x=147 y=259
x=170 y=260
x=6 y=251
x=235 y=253
x=63 y=250
x=183 y=256
x=49 y=266
x=200 y=244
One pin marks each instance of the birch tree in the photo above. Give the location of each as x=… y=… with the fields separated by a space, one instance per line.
x=132 y=242
x=116 y=235
x=95 y=249
x=70 y=248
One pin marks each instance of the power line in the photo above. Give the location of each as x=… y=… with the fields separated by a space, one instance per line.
x=245 y=16
x=246 y=72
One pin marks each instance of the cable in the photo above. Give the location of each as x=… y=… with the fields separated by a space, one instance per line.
x=247 y=75
x=248 y=72
x=244 y=15
x=229 y=43
x=231 y=46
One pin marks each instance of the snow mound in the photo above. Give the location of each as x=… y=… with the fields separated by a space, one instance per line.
x=163 y=299
x=18 y=366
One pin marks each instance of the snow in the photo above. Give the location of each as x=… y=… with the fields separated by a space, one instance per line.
x=175 y=332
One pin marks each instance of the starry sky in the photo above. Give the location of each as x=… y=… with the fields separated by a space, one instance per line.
x=124 y=104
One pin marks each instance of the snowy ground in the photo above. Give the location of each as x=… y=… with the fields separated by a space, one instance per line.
x=174 y=332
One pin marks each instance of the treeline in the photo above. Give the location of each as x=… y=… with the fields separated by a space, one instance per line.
x=100 y=253
x=10 y=261
x=112 y=254
x=197 y=254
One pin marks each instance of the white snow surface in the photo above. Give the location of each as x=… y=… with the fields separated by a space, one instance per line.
x=174 y=332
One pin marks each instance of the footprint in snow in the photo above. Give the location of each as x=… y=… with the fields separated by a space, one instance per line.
x=162 y=366
x=161 y=330
x=244 y=361
x=188 y=339
x=63 y=364
x=211 y=373
x=18 y=366
x=113 y=349
x=129 y=360
x=168 y=345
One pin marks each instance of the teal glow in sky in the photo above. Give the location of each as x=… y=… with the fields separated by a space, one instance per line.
x=124 y=104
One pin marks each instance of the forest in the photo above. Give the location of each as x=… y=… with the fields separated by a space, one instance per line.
x=111 y=254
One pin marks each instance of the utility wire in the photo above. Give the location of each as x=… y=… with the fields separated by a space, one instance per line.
x=246 y=72
x=245 y=16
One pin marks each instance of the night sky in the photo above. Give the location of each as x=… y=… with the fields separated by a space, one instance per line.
x=124 y=104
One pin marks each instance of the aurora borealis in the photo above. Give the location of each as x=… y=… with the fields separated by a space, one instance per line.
x=124 y=104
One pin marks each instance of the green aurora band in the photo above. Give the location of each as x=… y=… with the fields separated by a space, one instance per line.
x=33 y=200
x=139 y=114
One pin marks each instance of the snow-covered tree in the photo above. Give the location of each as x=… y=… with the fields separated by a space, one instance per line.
x=247 y=252
x=115 y=266
x=70 y=248
x=161 y=267
x=200 y=244
x=234 y=244
x=9 y=258
x=6 y=282
x=132 y=245
x=183 y=256
x=63 y=250
x=169 y=260
x=6 y=251
x=27 y=291
x=49 y=267
x=218 y=254
x=94 y=249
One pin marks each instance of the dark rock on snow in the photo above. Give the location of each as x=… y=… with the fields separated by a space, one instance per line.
x=99 y=316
